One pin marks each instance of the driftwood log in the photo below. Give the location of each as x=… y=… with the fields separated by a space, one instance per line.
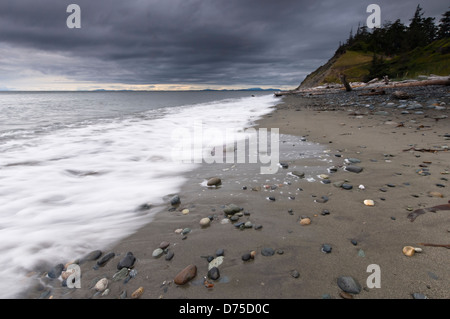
x=344 y=81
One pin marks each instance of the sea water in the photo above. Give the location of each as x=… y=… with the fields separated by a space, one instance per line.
x=75 y=167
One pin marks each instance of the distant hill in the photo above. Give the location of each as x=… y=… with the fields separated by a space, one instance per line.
x=395 y=50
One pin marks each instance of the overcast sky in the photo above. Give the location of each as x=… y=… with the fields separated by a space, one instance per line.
x=179 y=44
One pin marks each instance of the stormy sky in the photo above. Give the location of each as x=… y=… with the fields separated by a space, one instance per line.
x=179 y=44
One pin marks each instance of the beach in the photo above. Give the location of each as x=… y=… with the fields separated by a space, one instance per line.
x=307 y=232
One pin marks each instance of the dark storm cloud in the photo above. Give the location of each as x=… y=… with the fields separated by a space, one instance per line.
x=254 y=42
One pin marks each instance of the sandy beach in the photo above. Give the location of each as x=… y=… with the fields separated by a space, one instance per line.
x=405 y=164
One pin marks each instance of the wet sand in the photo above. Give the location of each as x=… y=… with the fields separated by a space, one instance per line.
x=359 y=235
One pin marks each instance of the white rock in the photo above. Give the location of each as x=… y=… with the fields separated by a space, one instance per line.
x=205 y=221
x=369 y=202
x=101 y=285
x=216 y=262
x=157 y=252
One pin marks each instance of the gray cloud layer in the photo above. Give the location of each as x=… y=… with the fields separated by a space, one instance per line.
x=223 y=42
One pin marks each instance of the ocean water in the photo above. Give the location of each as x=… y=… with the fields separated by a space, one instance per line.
x=75 y=167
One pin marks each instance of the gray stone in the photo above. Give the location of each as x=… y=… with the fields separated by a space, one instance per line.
x=214 y=273
x=175 y=200
x=231 y=209
x=127 y=261
x=267 y=251
x=347 y=186
x=353 y=160
x=326 y=248
x=169 y=255
x=56 y=271
x=353 y=169
x=105 y=259
x=220 y=252
x=349 y=284
x=298 y=174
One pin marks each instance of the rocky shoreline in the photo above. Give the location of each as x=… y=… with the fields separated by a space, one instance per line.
x=316 y=229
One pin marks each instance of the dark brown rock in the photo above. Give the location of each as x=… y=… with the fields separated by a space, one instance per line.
x=185 y=275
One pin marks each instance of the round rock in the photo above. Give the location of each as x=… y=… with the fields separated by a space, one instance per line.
x=214 y=273
x=204 y=222
x=267 y=251
x=127 y=261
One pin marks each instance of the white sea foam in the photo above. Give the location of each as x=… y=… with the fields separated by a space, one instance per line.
x=76 y=189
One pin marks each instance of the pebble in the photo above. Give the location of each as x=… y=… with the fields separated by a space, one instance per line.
x=175 y=200
x=248 y=224
x=121 y=274
x=298 y=174
x=326 y=248
x=408 y=251
x=56 y=271
x=169 y=255
x=231 y=209
x=105 y=259
x=215 y=181
x=349 y=284
x=352 y=160
x=369 y=202
x=164 y=245
x=185 y=275
x=185 y=231
x=323 y=199
x=127 y=261
x=325 y=212
x=205 y=222
x=216 y=262
x=137 y=293
x=157 y=253
x=347 y=186
x=305 y=221
x=185 y=211
x=354 y=169
x=361 y=253
x=246 y=257
x=214 y=273
x=267 y=251
x=220 y=252
x=295 y=274
x=435 y=194
x=101 y=285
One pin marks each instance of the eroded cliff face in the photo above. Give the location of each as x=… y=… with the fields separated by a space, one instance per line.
x=318 y=77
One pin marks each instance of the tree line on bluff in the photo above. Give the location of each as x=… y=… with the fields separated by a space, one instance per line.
x=393 y=39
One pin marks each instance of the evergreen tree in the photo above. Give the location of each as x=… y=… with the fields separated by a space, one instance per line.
x=444 y=26
x=422 y=31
